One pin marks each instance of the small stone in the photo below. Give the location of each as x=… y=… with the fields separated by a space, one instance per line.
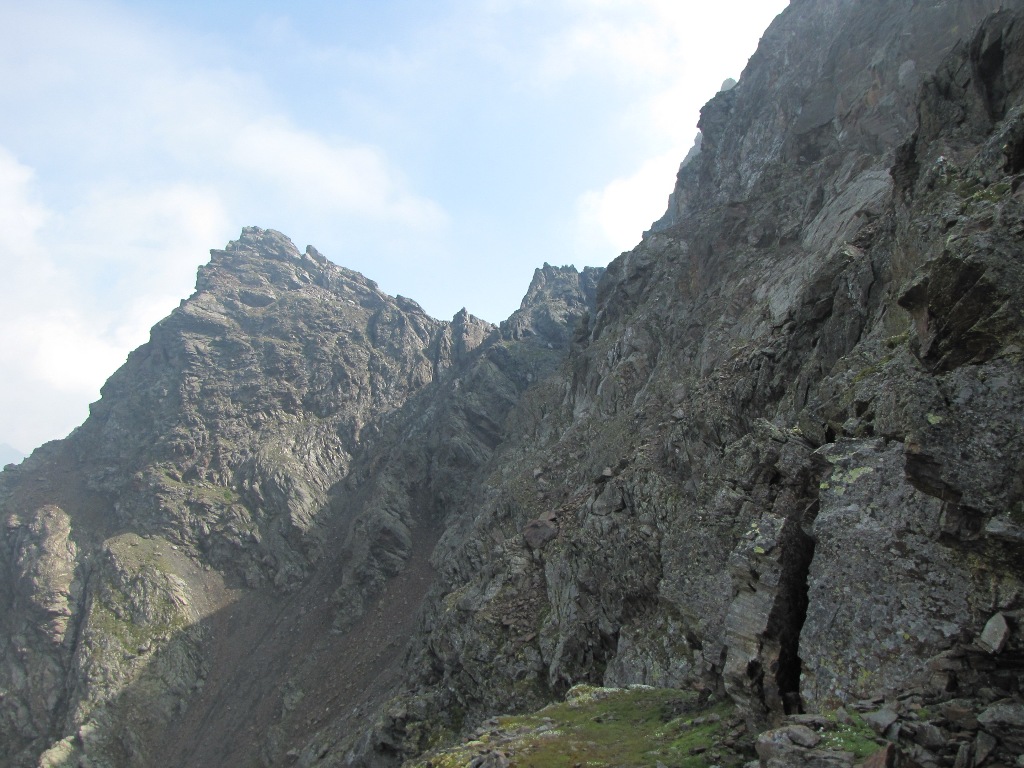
x=818 y=722
x=993 y=638
x=947 y=661
x=988 y=695
x=984 y=744
x=779 y=743
x=1003 y=715
x=942 y=682
x=892 y=733
x=963 y=757
x=802 y=736
x=843 y=717
x=960 y=716
x=883 y=758
x=881 y=719
x=929 y=736
x=819 y=758
x=489 y=760
x=539 y=532
x=998 y=528
x=920 y=756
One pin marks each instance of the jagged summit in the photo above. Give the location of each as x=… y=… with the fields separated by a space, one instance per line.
x=238 y=439
x=267 y=242
x=555 y=294
x=264 y=259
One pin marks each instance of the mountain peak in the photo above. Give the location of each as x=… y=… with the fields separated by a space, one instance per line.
x=266 y=242
x=262 y=261
x=556 y=298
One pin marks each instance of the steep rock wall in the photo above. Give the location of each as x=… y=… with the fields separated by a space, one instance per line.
x=680 y=507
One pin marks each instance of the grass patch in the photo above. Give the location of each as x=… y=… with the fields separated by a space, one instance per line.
x=856 y=737
x=607 y=727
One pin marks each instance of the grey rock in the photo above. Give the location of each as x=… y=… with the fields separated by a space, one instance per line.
x=984 y=745
x=817 y=722
x=792 y=745
x=539 y=532
x=884 y=758
x=964 y=756
x=960 y=714
x=881 y=719
x=1005 y=721
x=872 y=526
x=805 y=384
x=803 y=736
x=995 y=634
x=1005 y=530
x=774 y=744
x=929 y=736
x=558 y=298
x=1002 y=715
x=493 y=759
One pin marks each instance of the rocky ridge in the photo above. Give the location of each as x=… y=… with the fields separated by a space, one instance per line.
x=226 y=474
x=770 y=457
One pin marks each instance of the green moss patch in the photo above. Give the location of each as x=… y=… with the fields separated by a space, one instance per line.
x=594 y=726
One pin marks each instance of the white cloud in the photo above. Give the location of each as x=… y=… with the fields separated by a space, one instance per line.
x=80 y=295
x=135 y=249
x=670 y=48
x=619 y=212
x=627 y=47
x=329 y=177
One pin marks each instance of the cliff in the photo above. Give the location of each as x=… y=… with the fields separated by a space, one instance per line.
x=770 y=457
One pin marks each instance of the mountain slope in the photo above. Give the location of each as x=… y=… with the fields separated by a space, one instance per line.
x=771 y=454
x=757 y=464
x=223 y=497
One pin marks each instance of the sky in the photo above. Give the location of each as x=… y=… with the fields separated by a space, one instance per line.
x=444 y=149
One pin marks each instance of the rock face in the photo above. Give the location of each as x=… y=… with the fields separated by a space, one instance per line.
x=228 y=465
x=772 y=453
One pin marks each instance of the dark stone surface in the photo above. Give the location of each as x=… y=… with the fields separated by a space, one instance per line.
x=801 y=397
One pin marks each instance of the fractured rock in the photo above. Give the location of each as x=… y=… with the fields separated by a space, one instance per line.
x=881 y=719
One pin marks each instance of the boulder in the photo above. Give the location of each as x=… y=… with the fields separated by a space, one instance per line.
x=995 y=634
x=539 y=532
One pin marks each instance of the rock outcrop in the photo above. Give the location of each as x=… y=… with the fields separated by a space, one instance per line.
x=770 y=456
x=745 y=481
